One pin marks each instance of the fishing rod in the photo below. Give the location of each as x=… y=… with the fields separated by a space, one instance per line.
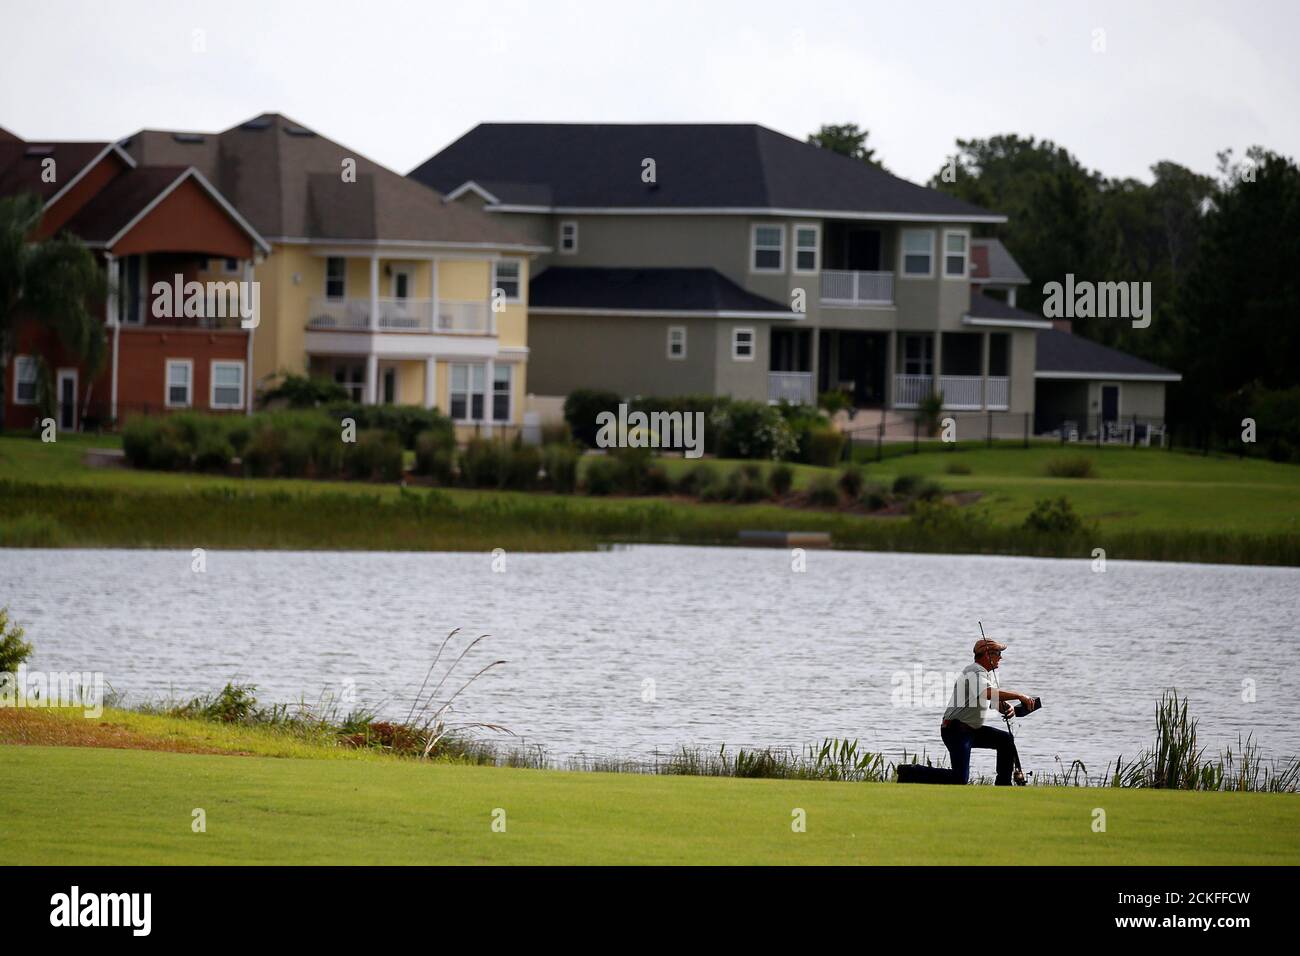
x=1018 y=777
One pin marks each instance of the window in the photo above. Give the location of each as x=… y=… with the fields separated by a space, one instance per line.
x=130 y=294
x=954 y=253
x=568 y=237
x=401 y=283
x=24 y=380
x=232 y=267
x=918 y=252
x=467 y=383
x=180 y=383
x=742 y=345
x=918 y=355
x=353 y=378
x=768 y=248
x=677 y=341
x=805 y=248
x=501 y=393
x=505 y=276
x=335 y=272
x=227 y=385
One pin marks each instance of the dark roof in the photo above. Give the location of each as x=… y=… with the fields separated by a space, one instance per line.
x=1065 y=352
x=21 y=164
x=991 y=262
x=673 y=290
x=705 y=165
x=124 y=198
x=986 y=307
x=286 y=180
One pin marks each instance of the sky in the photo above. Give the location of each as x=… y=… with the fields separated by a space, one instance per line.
x=1121 y=85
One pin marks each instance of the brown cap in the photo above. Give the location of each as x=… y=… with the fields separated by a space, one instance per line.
x=985 y=644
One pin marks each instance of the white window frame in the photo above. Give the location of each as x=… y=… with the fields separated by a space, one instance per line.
x=564 y=224
x=965 y=273
x=902 y=254
x=326 y=291
x=469 y=391
x=816 y=230
x=490 y=405
x=676 y=330
x=167 y=383
x=35 y=379
x=212 y=383
x=735 y=343
x=754 y=247
x=519 y=278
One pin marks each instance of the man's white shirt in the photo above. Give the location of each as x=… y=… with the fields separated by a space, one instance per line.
x=970 y=701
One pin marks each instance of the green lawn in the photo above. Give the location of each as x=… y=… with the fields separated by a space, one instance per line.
x=95 y=806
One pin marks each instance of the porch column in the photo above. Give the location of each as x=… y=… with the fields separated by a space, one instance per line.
x=372 y=378
x=374 y=291
x=113 y=319
x=430 y=370
x=891 y=369
x=433 y=294
x=814 y=362
x=984 y=370
x=487 y=398
x=1011 y=296
x=938 y=362
x=248 y=365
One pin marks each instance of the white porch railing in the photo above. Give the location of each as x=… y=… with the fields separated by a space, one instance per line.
x=999 y=393
x=402 y=315
x=793 y=387
x=857 y=288
x=909 y=390
x=466 y=317
x=962 y=392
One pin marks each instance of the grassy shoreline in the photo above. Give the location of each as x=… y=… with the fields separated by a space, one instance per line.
x=1147 y=505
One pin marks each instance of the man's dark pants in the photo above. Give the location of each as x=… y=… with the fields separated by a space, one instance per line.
x=959 y=739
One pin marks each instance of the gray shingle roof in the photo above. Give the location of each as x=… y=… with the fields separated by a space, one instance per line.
x=705 y=165
x=991 y=262
x=670 y=290
x=1064 y=352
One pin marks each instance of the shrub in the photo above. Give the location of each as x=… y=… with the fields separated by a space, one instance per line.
x=928 y=411
x=581 y=408
x=375 y=454
x=929 y=491
x=484 y=463
x=780 y=479
x=523 y=462
x=906 y=485
x=299 y=391
x=875 y=497
x=556 y=433
x=657 y=481
x=138 y=437
x=213 y=453
x=13 y=649
x=696 y=480
x=262 y=456
x=406 y=421
x=561 y=463
x=1070 y=466
x=825 y=447
x=753 y=430
x=706 y=405
x=631 y=469
x=602 y=476
x=744 y=486
x=435 y=457
x=823 y=492
x=1053 y=516
x=835 y=400
x=851 y=481
x=957 y=468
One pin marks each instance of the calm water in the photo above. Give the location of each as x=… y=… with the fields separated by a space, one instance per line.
x=739 y=648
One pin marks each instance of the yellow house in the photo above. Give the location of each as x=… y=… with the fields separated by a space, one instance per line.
x=373 y=281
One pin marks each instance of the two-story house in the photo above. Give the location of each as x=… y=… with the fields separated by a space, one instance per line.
x=731 y=259
x=372 y=280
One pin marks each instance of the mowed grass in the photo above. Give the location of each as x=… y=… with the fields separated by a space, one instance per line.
x=92 y=806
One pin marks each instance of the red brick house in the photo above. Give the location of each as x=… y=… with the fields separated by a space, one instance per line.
x=145 y=224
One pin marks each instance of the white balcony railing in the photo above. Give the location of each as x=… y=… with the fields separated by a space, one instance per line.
x=402 y=315
x=857 y=288
x=793 y=387
x=960 y=392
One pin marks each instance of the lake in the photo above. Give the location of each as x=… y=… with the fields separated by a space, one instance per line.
x=633 y=650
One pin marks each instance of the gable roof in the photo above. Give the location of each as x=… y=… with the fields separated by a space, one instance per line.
x=991 y=264
x=729 y=168
x=22 y=164
x=287 y=181
x=1065 y=355
x=646 y=291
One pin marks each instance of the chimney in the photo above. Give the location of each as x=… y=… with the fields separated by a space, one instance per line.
x=1063 y=325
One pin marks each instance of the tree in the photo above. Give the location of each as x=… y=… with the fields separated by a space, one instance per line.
x=49 y=281
x=847 y=140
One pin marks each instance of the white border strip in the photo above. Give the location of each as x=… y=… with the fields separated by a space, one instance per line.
x=665 y=313
x=746 y=211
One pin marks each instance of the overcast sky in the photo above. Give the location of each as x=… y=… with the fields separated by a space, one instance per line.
x=1121 y=85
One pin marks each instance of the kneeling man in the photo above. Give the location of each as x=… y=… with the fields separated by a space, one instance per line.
x=976 y=704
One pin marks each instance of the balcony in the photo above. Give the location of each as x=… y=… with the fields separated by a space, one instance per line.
x=845 y=288
x=402 y=315
x=960 y=392
x=795 y=387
